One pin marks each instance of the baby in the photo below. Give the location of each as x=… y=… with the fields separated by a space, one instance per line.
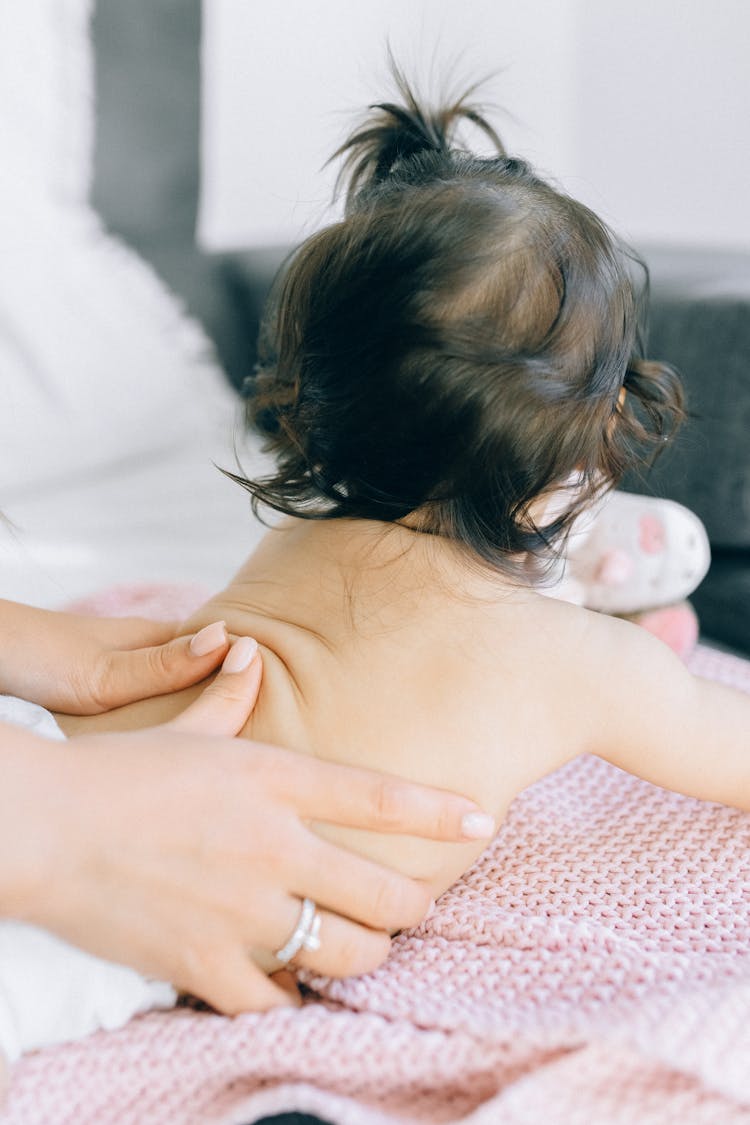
x=437 y=368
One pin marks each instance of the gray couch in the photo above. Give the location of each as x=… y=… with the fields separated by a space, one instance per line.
x=700 y=322
x=146 y=189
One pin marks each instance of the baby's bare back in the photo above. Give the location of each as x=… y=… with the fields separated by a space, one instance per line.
x=383 y=648
x=417 y=668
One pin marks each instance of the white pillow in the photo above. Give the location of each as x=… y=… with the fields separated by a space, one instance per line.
x=98 y=364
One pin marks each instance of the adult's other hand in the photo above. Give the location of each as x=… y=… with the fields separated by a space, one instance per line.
x=85 y=665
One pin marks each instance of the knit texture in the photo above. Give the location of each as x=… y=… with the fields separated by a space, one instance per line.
x=592 y=966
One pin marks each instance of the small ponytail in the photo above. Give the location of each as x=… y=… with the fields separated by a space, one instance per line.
x=393 y=134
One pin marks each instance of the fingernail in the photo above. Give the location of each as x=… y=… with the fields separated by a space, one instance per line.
x=430 y=910
x=240 y=655
x=477 y=826
x=209 y=639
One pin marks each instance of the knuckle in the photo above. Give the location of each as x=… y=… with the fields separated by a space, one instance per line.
x=224 y=692
x=387 y=802
x=384 y=902
x=159 y=660
x=398 y=902
x=406 y=903
x=361 y=951
x=445 y=822
x=97 y=686
x=349 y=955
x=414 y=904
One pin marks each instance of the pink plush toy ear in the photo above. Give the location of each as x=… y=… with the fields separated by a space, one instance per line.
x=614 y=568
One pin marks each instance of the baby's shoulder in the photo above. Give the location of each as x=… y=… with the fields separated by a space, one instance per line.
x=557 y=654
x=532 y=623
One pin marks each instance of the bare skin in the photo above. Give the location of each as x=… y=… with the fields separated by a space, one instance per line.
x=382 y=648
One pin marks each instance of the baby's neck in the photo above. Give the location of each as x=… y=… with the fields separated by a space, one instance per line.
x=301 y=569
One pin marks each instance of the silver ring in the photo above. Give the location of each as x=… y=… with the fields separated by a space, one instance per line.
x=306 y=934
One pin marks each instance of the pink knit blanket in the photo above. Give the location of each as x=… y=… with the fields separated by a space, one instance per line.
x=592 y=967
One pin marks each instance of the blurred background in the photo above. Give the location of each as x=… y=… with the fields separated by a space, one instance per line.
x=639 y=108
x=161 y=158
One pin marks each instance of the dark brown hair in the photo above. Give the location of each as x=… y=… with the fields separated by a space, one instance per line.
x=455 y=347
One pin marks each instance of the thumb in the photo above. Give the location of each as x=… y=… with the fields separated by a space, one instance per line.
x=123 y=676
x=224 y=707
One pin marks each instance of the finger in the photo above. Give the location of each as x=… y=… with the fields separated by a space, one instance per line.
x=361 y=798
x=235 y=984
x=130 y=632
x=360 y=889
x=286 y=980
x=224 y=707
x=123 y=676
x=346 y=949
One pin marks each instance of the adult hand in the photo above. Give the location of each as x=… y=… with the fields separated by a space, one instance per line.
x=84 y=665
x=182 y=855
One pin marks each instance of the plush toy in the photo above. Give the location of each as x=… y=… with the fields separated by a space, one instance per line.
x=637 y=557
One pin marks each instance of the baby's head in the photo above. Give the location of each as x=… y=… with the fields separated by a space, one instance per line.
x=454 y=349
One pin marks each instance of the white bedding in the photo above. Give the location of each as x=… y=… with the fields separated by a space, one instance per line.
x=172 y=517
x=50 y=991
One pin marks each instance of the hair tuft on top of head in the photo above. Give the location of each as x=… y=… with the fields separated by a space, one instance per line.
x=394 y=133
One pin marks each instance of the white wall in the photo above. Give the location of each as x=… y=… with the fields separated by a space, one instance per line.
x=639 y=107
x=284 y=82
x=661 y=116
